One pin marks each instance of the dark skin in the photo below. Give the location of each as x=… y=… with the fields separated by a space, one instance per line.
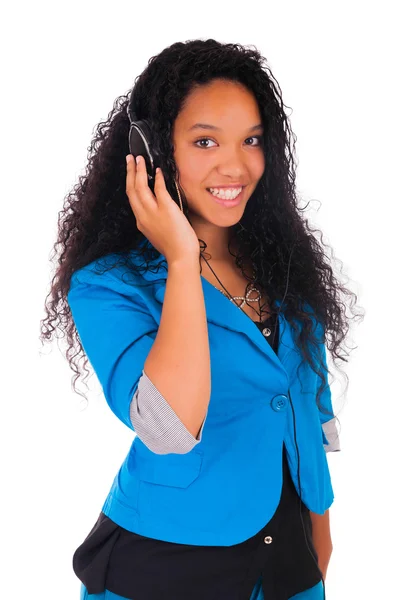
x=321 y=534
x=231 y=154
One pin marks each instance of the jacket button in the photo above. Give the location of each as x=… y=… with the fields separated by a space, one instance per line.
x=268 y=539
x=279 y=402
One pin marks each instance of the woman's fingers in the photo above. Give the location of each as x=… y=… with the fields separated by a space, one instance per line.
x=159 y=186
x=130 y=177
x=141 y=182
x=157 y=215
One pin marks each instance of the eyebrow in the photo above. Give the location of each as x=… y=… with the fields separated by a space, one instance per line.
x=207 y=126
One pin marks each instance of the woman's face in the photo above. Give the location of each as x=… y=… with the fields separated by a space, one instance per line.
x=230 y=153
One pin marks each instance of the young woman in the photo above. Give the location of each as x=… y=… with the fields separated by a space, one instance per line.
x=204 y=304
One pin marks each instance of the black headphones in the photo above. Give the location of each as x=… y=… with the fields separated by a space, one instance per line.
x=141 y=143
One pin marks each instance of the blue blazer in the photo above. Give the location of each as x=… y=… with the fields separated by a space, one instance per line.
x=228 y=486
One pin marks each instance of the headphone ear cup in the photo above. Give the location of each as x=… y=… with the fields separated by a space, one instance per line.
x=140 y=143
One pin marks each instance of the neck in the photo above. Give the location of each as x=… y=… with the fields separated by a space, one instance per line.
x=217 y=239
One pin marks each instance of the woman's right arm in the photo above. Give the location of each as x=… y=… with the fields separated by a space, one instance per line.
x=178 y=363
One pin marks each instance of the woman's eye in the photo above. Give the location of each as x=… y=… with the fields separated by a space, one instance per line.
x=253 y=137
x=203 y=140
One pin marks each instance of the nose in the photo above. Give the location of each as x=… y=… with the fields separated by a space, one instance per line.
x=232 y=163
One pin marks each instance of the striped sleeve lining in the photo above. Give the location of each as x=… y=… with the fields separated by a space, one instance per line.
x=332 y=440
x=157 y=424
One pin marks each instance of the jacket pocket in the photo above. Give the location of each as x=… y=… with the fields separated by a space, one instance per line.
x=172 y=470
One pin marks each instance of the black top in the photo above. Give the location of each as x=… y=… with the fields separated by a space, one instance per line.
x=143 y=568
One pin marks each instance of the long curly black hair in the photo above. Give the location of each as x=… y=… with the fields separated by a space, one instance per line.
x=97 y=219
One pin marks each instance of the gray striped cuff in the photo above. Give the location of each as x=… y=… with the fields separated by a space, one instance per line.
x=332 y=436
x=156 y=423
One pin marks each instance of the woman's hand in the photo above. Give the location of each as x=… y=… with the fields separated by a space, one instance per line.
x=321 y=536
x=158 y=217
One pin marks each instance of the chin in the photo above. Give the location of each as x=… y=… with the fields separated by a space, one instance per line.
x=225 y=218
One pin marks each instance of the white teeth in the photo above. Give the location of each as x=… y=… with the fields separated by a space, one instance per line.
x=226 y=194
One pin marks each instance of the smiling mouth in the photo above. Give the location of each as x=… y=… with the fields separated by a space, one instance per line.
x=226 y=201
x=226 y=193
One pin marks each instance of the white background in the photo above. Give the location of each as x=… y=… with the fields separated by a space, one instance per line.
x=63 y=65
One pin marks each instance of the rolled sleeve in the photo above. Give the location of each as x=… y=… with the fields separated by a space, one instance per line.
x=157 y=424
x=328 y=420
x=330 y=434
